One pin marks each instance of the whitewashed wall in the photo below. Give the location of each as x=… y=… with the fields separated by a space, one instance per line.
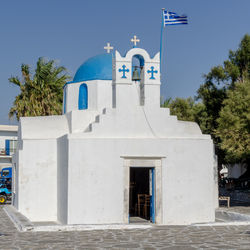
x=96 y=184
x=88 y=172
x=99 y=95
x=188 y=182
x=37 y=186
x=62 y=179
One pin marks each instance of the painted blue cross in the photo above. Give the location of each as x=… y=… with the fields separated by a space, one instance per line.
x=123 y=70
x=152 y=71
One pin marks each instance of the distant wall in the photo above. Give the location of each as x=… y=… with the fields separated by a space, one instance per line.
x=7 y=135
x=236 y=170
x=6 y=161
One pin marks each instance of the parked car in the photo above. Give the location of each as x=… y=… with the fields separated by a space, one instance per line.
x=5 y=193
x=6 y=173
x=5 y=185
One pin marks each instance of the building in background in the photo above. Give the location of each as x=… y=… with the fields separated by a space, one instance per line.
x=8 y=142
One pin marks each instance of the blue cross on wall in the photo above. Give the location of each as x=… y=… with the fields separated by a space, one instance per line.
x=152 y=72
x=123 y=70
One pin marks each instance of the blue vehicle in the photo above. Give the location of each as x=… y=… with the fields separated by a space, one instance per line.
x=6 y=173
x=5 y=185
x=5 y=193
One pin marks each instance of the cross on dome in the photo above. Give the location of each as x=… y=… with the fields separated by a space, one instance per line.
x=108 y=48
x=135 y=40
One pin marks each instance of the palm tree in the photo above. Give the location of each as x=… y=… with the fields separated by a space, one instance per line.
x=42 y=95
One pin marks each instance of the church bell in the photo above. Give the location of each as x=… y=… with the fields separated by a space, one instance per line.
x=136 y=76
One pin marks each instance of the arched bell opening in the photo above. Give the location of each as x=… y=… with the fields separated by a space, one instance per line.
x=138 y=75
x=137 y=67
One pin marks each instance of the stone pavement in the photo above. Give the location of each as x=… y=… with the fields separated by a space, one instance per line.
x=239 y=207
x=157 y=237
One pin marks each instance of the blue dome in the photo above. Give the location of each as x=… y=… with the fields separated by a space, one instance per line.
x=95 y=68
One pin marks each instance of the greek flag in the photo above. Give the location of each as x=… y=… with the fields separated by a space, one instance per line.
x=171 y=18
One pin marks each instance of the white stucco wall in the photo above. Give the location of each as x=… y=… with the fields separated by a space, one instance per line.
x=187 y=179
x=99 y=95
x=152 y=95
x=188 y=186
x=79 y=120
x=62 y=179
x=93 y=196
x=43 y=127
x=72 y=95
x=37 y=183
x=141 y=122
x=104 y=94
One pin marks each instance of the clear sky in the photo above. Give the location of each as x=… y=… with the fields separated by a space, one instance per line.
x=71 y=31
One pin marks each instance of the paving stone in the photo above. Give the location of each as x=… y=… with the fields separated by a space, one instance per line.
x=158 y=237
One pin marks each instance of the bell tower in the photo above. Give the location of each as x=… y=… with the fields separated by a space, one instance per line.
x=136 y=85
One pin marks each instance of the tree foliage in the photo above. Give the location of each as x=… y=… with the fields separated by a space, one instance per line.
x=212 y=98
x=223 y=110
x=182 y=108
x=188 y=110
x=41 y=94
x=234 y=123
x=221 y=78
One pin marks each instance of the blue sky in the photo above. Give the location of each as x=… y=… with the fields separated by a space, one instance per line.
x=71 y=31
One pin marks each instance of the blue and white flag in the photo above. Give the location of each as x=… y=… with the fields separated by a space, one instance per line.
x=171 y=18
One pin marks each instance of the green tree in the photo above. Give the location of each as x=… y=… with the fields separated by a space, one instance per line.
x=223 y=110
x=182 y=108
x=212 y=98
x=221 y=78
x=165 y=103
x=201 y=117
x=188 y=110
x=41 y=94
x=234 y=123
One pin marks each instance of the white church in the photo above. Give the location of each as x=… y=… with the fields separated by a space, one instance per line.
x=114 y=154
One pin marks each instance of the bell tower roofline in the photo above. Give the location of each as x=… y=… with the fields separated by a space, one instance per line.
x=137 y=51
x=140 y=84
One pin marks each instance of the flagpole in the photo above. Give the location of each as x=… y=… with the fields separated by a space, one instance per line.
x=162 y=27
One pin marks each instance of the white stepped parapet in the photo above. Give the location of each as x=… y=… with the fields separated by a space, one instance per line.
x=141 y=123
x=98 y=119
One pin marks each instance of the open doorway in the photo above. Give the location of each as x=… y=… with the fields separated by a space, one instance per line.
x=142 y=194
